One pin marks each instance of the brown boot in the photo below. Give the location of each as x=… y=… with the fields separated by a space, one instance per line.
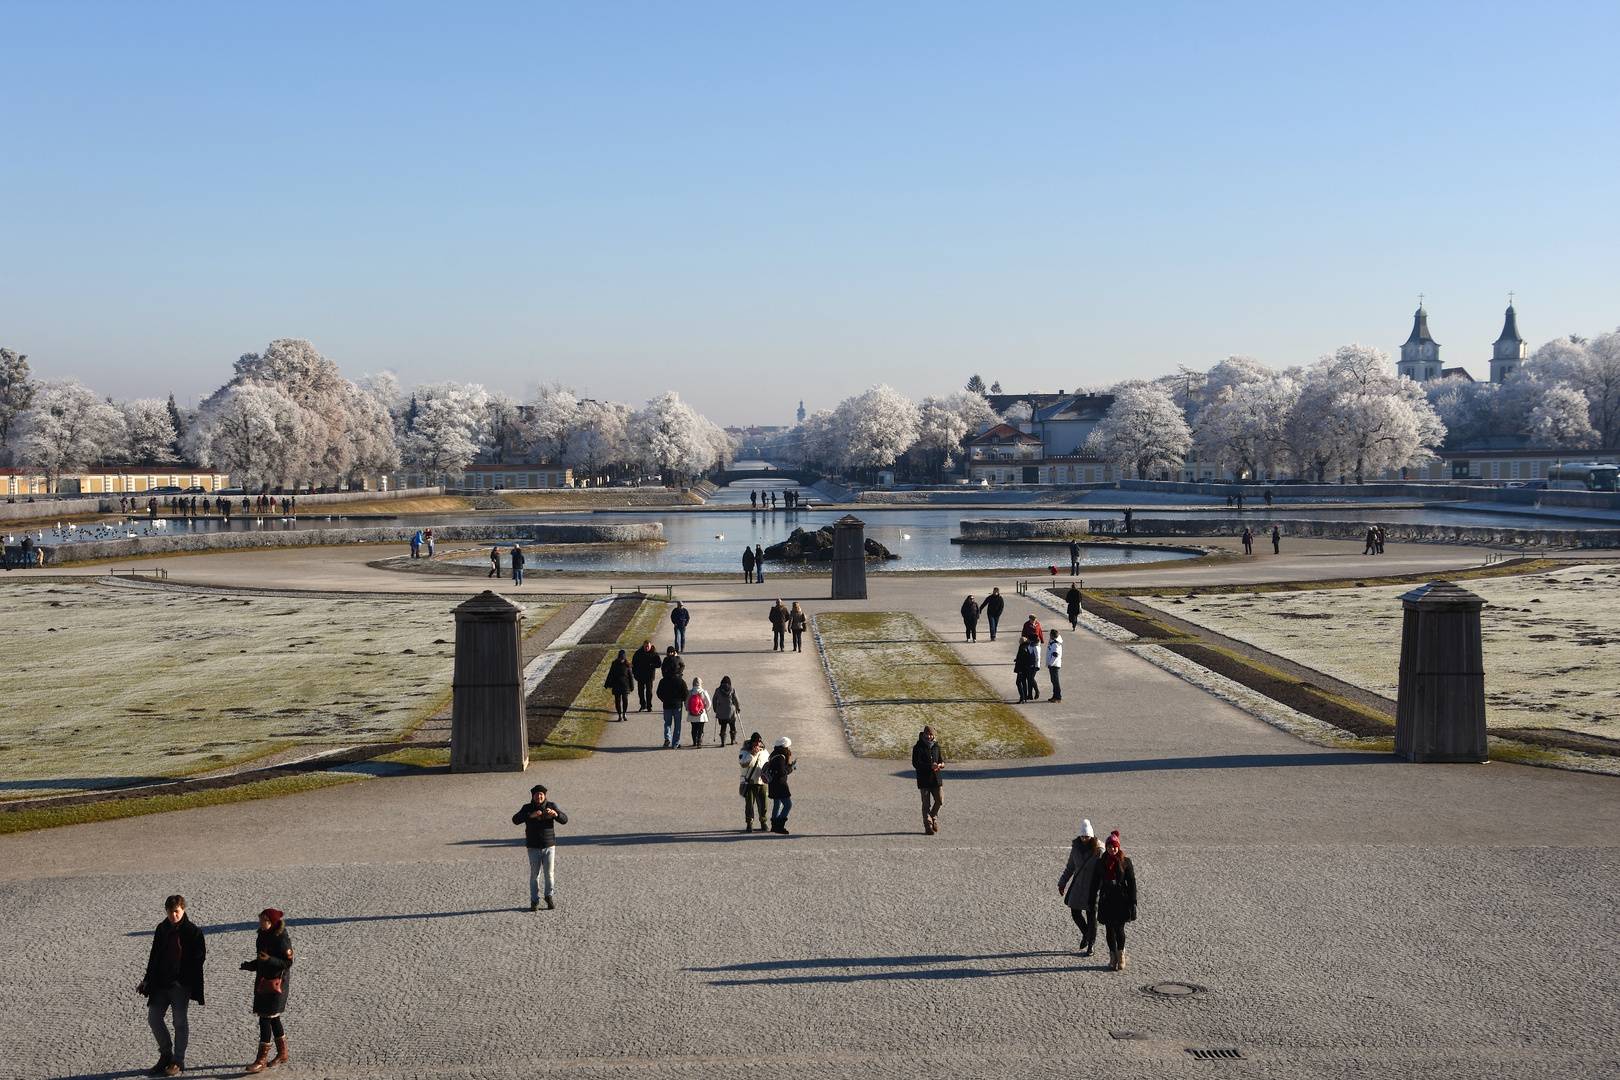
x=281 y=1052
x=1113 y=959
x=259 y=1063
x=1121 y=966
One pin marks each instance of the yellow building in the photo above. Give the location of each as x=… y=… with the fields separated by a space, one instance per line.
x=114 y=480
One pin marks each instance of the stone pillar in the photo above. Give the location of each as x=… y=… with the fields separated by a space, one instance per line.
x=1440 y=709
x=849 y=558
x=488 y=730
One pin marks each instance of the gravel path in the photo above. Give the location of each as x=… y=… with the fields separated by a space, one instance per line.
x=1348 y=915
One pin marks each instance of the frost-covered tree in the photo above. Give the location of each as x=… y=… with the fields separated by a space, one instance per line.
x=1353 y=416
x=940 y=431
x=373 y=445
x=603 y=438
x=149 y=434
x=255 y=433
x=16 y=394
x=875 y=428
x=1244 y=426
x=1561 y=419
x=671 y=436
x=66 y=428
x=505 y=435
x=450 y=425
x=1143 y=432
x=383 y=387
x=1591 y=367
x=554 y=419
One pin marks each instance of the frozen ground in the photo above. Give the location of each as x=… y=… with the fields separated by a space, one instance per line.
x=1550 y=640
x=108 y=685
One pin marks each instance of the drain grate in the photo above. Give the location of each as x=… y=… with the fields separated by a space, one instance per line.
x=1137 y=1035
x=1173 y=989
x=1216 y=1053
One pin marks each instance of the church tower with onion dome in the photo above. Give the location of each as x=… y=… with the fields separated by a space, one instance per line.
x=1420 y=356
x=1509 y=351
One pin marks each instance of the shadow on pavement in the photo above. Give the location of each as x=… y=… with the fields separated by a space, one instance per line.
x=1220 y=761
x=228 y=928
x=919 y=967
x=712 y=836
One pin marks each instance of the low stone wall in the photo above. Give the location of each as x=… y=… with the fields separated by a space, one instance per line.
x=49 y=508
x=1064 y=528
x=357 y=496
x=636 y=533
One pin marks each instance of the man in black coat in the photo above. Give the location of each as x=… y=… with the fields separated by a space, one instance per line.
x=994 y=605
x=644 y=666
x=748 y=564
x=1074 y=558
x=540 y=819
x=928 y=761
x=174 y=979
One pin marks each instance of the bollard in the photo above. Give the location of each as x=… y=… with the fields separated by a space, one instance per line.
x=1440 y=708
x=849 y=558
x=488 y=729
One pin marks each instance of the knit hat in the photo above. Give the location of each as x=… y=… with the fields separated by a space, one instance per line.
x=1085 y=828
x=621 y=654
x=272 y=914
x=756 y=737
x=538 y=789
x=783 y=741
x=1113 y=840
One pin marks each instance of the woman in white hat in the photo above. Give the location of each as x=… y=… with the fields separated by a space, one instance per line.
x=776 y=774
x=1083 y=856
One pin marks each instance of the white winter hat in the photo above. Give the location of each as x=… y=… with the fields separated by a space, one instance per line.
x=1085 y=828
x=783 y=741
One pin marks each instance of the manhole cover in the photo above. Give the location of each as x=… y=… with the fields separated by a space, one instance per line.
x=1173 y=989
x=1216 y=1053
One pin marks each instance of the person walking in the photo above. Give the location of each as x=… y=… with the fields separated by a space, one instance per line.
x=779 y=621
x=679 y=618
x=621 y=681
x=644 y=666
x=673 y=663
x=1248 y=540
x=416 y=544
x=428 y=537
x=1024 y=663
x=540 y=818
x=1072 y=598
x=753 y=759
x=726 y=709
x=1074 y=558
x=1114 y=887
x=1084 y=855
x=1276 y=540
x=970 y=618
x=1054 y=664
x=517 y=564
x=173 y=980
x=777 y=769
x=495 y=561
x=994 y=605
x=927 y=759
x=698 y=704
x=1372 y=540
x=798 y=623
x=672 y=693
x=1378 y=539
x=270 y=967
x=748 y=564
x=753 y=499
x=759 y=564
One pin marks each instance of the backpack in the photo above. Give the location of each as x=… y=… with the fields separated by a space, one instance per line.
x=694 y=703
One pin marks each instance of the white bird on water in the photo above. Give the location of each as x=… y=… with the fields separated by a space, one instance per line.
x=905 y=536
x=719 y=536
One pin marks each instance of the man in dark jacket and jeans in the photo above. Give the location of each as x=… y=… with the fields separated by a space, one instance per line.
x=540 y=819
x=174 y=979
x=994 y=605
x=644 y=666
x=928 y=761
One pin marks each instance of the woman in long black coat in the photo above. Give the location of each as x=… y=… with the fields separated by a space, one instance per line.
x=1025 y=663
x=270 y=967
x=1114 y=886
x=970 y=619
x=777 y=769
x=1073 y=598
x=621 y=681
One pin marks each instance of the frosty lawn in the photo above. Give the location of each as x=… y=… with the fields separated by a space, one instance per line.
x=893 y=676
x=109 y=685
x=1547 y=639
x=580 y=726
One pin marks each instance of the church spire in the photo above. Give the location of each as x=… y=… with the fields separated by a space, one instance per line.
x=1510 y=328
x=1420 y=327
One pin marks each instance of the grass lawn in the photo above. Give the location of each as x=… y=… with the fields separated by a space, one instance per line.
x=108 y=685
x=893 y=676
x=580 y=727
x=1546 y=639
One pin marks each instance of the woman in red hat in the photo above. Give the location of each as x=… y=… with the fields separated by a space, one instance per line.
x=270 y=987
x=1114 y=887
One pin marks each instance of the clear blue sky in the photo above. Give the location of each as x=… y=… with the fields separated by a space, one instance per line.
x=759 y=202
